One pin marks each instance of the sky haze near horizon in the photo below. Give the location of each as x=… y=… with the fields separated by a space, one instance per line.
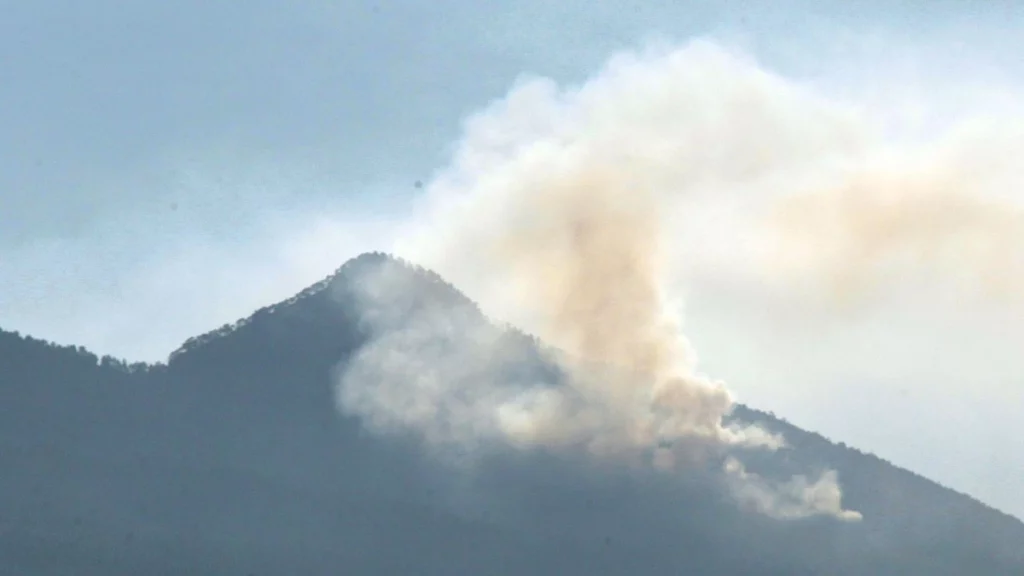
x=167 y=170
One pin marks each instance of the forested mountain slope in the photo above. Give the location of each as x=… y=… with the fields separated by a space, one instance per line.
x=232 y=458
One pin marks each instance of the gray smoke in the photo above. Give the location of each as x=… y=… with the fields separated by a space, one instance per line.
x=559 y=213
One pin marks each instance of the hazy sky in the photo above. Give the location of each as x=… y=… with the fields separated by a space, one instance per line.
x=167 y=168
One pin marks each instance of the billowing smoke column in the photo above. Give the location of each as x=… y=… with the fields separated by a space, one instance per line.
x=569 y=212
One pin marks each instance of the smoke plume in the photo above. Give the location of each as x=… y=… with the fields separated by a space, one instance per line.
x=930 y=214
x=573 y=212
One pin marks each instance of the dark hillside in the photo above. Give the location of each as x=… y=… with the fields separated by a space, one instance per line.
x=233 y=459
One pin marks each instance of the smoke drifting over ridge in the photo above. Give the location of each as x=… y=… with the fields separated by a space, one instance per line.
x=571 y=212
x=876 y=225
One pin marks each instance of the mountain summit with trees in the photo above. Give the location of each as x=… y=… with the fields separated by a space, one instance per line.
x=232 y=458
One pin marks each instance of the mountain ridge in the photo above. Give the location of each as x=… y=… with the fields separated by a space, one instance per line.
x=772 y=421
x=251 y=404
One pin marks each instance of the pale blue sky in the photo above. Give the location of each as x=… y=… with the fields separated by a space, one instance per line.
x=168 y=167
x=132 y=129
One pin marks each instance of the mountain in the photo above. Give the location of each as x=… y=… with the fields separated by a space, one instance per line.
x=232 y=459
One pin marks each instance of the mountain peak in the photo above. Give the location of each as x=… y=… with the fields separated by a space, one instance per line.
x=235 y=458
x=345 y=290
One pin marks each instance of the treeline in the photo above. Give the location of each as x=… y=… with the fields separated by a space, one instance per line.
x=9 y=340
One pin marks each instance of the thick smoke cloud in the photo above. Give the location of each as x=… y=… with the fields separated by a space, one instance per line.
x=574 y=212
x=563 y=205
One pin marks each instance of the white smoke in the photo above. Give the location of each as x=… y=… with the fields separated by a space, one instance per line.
x=573 y=212
x=795 y=498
